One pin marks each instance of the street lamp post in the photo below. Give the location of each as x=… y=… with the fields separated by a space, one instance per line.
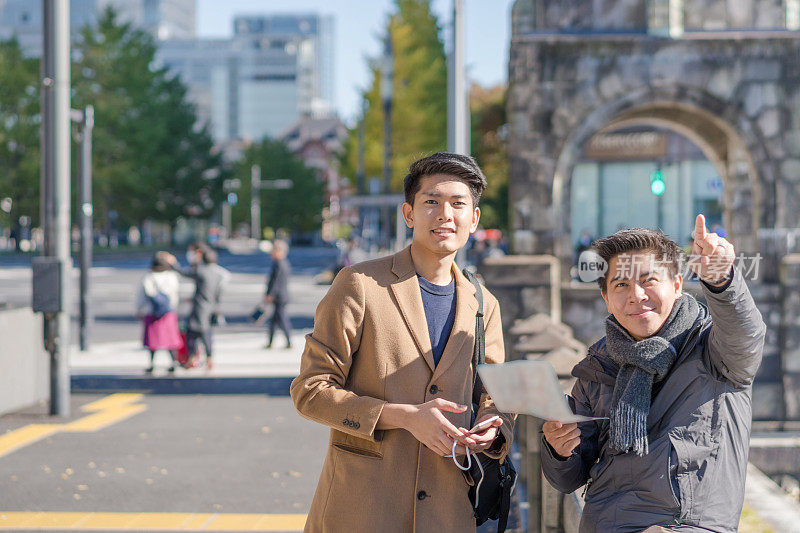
x=457 y=105
x=85 y=120
x=387 y=90
x=361 y=174
x=255 y=202
x=52 y=271
x=256 y=186
x=231 y=199
x=458 y=136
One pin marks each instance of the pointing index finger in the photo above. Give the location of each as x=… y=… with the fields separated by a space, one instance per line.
x=700 y=231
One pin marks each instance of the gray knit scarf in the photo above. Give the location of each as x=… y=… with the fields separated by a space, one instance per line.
x=643 y=363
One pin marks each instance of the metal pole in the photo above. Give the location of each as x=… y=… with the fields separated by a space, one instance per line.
x=457 y=105
x=86 y=212
x=46 y=178
x=387 y=82
x=56 y=189
x=255 y=202
x=226 y=218
x=361 y=174
x=361 y=170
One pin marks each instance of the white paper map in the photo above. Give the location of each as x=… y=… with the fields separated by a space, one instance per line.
x=529 y=388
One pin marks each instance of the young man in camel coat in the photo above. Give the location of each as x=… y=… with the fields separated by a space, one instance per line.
x=389 y=368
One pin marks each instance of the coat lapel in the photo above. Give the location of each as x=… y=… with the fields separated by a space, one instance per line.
x=409 y=300
x=464 y=322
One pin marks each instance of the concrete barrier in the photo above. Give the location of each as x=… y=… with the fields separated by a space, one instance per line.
x=24 y=365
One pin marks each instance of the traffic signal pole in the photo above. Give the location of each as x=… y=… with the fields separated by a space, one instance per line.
x=55 y=181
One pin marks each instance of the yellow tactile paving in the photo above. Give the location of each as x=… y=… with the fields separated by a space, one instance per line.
x=105 y=412
x=113 y=400
x=152 y=521
x=40 y=520
x=281 y=522
x=197 y=522
x=14 y=440
x=137 y=521
x=257 y=522
x=103 y=419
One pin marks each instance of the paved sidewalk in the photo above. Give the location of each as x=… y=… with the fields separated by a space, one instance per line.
x=242 y=364
x=236 y=354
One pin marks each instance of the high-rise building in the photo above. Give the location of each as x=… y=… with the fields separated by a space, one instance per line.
x=273 y=70
x=164 y=19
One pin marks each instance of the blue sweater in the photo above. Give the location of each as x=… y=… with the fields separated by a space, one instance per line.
x=439 y=302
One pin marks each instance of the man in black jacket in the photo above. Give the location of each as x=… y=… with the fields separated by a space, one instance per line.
x=278 y=292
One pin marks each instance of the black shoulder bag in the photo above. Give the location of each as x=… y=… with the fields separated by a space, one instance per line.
x=492 y=481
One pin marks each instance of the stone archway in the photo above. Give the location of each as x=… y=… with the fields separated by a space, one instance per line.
x=729 y=80
x=737 y=99
x=744 y=202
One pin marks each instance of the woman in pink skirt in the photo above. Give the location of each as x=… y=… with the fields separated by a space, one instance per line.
x=157 y=305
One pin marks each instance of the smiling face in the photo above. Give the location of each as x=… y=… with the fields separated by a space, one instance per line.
x=443 y=215
x=640 y=292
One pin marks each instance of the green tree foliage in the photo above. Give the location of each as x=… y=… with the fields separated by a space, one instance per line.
x=490 y=149
x=150 y=159
x=19 y=133
x=419 y=112
x=297 y=209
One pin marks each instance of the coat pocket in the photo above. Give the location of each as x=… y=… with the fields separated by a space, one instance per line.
x=356 y=446
x=694 y=463
x=647 y=479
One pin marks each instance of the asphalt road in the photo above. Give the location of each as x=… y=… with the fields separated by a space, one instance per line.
x=199 y=454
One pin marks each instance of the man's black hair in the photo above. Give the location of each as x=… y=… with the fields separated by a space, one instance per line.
x=629 y=241
x=460 y=166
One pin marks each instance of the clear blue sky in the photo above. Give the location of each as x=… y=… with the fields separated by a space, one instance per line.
x=358 y=23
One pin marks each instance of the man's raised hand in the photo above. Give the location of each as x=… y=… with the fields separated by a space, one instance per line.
x=712 y=256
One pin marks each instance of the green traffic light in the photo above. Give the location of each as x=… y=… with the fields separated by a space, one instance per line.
x=657 y=185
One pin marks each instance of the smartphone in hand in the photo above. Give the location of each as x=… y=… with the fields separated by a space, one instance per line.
x=483 y=426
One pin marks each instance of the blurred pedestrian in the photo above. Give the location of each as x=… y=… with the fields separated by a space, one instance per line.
x=278 y=292
x=343 y=260
x=583 y=244
x=209 y=279
x=157 y=305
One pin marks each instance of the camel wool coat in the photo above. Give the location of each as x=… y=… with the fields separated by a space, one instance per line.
x=370 y=346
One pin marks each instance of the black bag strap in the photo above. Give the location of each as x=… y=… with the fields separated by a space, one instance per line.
x=479 y=351
x=479 y=358
x=505 y=509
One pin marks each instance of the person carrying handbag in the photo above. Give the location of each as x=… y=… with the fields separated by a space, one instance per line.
x=156 y=306
x=389 y=368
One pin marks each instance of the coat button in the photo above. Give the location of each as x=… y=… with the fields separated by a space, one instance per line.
x=352 y=424
x=434 y=389
x=357 y=425
x=421 y=495
x=346 y=422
